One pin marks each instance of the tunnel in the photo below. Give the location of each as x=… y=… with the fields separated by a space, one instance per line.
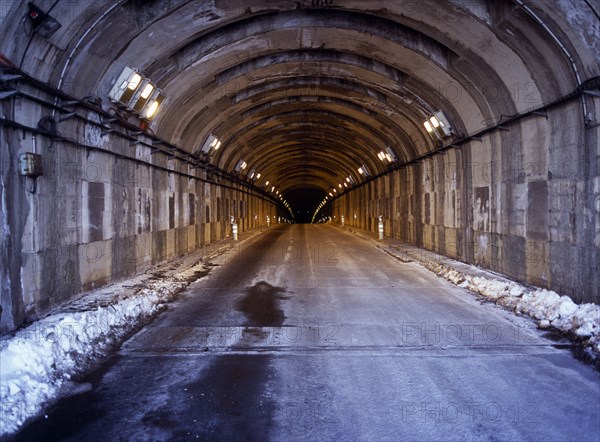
x=135 y=133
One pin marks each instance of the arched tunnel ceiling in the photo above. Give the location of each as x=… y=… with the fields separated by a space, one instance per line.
x=306 y=92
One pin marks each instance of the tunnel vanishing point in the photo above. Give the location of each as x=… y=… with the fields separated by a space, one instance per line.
x=133 y=132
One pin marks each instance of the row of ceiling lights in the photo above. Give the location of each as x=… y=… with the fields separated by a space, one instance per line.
x=140 y=95
x=437 y=126
x=212 y=143
x=386 y=156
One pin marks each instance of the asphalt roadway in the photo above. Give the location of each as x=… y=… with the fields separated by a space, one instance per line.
x=310 y=333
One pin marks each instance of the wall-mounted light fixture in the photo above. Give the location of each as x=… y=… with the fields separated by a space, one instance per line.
x=136 y=93
x=390 y=155
x=211 y=143
x=387 y=155
x=364 y=171
x=254 y=175
x=437 y=125
x=153 y=105
x=241 y=165
x=142 y=95
x=126 y=85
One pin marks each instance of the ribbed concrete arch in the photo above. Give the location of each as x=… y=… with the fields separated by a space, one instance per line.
x=306 y=93
x=340 y=135
x=235 y=86
x=311 y=86
x=309 y=56
x=302 y=19
x=275 y=157
x=325 y=103
x=201 y=103
x=303 y=91
x=325 y=163
x=281 y=38
x=366 y=150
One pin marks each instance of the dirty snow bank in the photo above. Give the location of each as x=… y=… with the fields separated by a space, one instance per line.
x=549 y=308
x=36 y=364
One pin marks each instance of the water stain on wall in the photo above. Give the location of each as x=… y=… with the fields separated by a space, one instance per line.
x=95 y=210
x=481 y=209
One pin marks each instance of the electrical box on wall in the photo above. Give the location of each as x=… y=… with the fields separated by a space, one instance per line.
x=30 y=164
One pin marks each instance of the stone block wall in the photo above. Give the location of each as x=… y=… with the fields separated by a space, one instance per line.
x=102 y=213
x=524 y=202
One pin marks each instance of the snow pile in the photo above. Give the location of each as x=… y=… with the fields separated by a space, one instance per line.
x=546 y=306
x=41 y=359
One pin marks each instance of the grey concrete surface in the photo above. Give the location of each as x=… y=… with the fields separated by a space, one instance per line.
x=308 y=332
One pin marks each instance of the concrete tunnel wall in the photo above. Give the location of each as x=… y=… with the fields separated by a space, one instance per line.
x=97 y=217
x=528 y=219
x=306 y=92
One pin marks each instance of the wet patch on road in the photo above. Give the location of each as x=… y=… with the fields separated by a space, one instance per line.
x=226 y=401
x=261 y=305
x=63 y=420
x=77 y=408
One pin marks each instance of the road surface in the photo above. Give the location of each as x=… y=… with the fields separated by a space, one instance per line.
x=308 y=332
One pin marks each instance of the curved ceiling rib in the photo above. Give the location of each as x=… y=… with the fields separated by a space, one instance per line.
x=307 y=85
x=354 y=125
